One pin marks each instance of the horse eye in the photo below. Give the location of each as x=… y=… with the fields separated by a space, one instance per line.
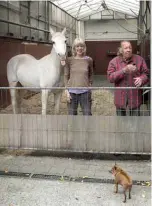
x=65 y=41
x=53 y=42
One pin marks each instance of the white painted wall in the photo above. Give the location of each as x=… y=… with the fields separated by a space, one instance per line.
x=110 y=30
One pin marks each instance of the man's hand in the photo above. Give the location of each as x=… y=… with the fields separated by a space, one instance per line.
x=68 y=96
x=125 y=70
x=130 y=69
x=138 y=81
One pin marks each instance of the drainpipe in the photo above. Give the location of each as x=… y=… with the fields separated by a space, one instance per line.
x=81 y=29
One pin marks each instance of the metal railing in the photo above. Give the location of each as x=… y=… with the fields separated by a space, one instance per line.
x=102 y=100
x=103 y=132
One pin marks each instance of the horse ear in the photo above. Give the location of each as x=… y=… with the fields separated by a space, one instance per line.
x=52 y=31
x=64 y=31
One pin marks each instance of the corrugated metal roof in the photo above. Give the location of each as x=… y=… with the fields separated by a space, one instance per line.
x=83 y=8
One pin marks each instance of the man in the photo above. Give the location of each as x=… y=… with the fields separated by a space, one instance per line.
x=127 y=70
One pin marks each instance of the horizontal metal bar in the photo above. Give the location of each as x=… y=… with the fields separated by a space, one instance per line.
x=27 y=40
x=23 y=25
x=9 y=8
x=91 y=88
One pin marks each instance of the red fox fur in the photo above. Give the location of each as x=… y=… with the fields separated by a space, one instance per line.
x=122 y=178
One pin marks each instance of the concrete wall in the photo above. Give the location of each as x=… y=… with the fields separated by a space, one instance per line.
x=110 y=30
x=105 y=134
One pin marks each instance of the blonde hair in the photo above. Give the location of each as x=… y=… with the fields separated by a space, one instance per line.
x=78 y=41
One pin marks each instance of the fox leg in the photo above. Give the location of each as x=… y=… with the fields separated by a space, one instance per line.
x=124 y=196
x=116 y=188
x=130 y=192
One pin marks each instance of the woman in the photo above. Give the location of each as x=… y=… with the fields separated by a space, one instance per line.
x=78 y=73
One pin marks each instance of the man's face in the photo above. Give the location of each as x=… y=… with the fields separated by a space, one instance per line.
x=126 y=50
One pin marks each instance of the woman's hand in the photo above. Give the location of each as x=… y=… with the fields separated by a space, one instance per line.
x=68 y=96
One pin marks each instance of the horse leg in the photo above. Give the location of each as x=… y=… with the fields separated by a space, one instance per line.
x=44 y=101
x=57 y=99
x=14 y=98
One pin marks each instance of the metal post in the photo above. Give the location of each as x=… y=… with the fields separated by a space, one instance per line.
x=29 y=18
x=8 y=14
x=151 y=61
x=47 y=16
x=38 y=17
x=19 y=17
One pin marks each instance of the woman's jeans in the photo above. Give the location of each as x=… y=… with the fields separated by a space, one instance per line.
x=84 y=99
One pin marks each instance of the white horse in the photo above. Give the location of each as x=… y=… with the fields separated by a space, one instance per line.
x=45 y=72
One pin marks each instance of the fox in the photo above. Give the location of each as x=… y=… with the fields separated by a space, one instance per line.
x=122 y=178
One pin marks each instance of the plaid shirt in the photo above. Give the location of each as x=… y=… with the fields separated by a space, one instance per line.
x=130 y=97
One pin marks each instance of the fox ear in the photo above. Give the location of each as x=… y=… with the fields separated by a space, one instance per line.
x=115 y=167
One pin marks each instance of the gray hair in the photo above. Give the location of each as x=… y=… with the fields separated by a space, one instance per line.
x=120 y=50
x=78 y=41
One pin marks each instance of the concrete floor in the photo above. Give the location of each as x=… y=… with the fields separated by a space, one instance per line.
x=99 y=169
x=28 y=192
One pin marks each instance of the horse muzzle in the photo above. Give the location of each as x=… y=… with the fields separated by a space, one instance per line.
x=62 y=59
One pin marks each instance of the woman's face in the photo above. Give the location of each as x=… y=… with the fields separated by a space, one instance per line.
x=79 y=50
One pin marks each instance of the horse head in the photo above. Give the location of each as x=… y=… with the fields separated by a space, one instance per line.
x=59 y=44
